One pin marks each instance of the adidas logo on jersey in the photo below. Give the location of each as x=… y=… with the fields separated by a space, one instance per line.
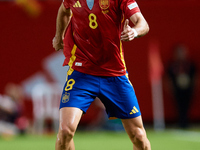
x=77 y=4
x=134 y=111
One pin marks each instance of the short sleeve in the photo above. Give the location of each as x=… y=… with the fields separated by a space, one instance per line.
x=129 y=7
x=65 y=4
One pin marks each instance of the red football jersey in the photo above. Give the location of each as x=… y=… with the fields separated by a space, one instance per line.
x=92 y=42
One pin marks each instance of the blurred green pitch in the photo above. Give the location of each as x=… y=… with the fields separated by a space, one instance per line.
x=106 y=140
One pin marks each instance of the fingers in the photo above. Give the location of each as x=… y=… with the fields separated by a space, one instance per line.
x=127 y=37
x=126 y=24
x=127 y=34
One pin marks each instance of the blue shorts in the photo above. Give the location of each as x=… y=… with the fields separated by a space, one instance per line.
x=116 y=93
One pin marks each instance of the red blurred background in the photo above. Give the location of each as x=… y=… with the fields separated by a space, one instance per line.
x=26 y=40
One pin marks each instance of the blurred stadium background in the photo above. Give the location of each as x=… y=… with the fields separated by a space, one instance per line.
x=29 y=64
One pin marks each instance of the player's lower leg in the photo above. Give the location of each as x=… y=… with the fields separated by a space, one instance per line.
x=137 y=134
x=66 y=145
x=140 y=141
x=69 y=119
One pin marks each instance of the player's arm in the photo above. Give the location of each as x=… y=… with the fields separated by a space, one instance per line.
x=140 y=29
x=62 y=21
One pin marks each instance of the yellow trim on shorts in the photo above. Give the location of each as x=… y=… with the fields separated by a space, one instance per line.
x=128 y=79
x=112 y=118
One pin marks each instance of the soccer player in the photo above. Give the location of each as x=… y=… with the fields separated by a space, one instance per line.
x=91 y=33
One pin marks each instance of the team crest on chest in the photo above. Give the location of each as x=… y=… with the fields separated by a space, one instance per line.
x=104 y=4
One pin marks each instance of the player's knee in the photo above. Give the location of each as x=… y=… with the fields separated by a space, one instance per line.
x=140 y=139
x=67 y=132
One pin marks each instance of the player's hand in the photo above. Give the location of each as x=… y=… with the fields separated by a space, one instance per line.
x=57 y=44
x=127 y=34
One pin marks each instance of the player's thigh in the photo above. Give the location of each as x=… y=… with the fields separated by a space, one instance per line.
x=133 y=126
x=79 y=91
x=69 y=119
x=119 y=98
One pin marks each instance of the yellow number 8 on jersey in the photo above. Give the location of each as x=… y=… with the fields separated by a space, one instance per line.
x=93 y=23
